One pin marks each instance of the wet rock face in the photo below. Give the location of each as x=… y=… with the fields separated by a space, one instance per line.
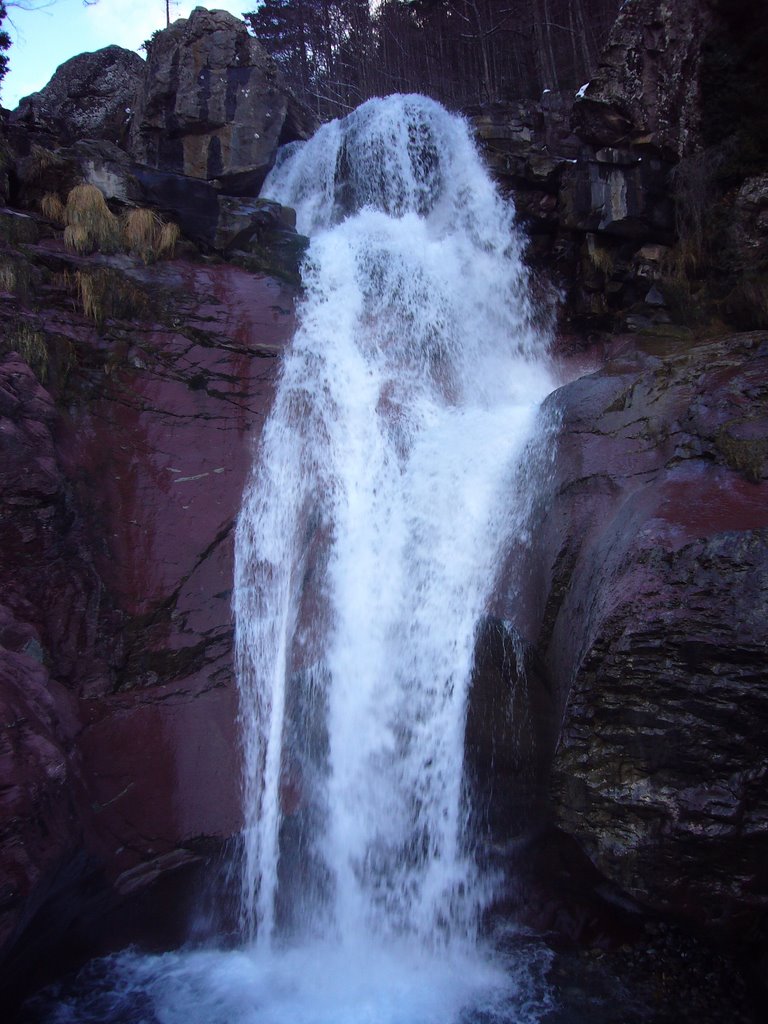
x=653 y=626
x=212 y=104
x=90 y=96
x=118 y=744
x=509 y=733
x=40 y=781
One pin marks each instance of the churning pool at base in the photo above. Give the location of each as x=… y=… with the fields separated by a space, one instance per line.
x=308 y=984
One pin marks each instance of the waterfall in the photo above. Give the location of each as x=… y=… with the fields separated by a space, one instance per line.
x=385 y=491
x=366 y=546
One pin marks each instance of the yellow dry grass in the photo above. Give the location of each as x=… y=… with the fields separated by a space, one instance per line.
x=30 y=345
x=52 y=208
x=41 y=159
x=146 y=236
x=105 y=293
x=91 y=296
x=90 y=224
x=7 y=276
x=169 y=237
x=602 y=259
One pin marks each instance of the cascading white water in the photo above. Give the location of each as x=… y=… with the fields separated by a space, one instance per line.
x=385 y=491
x=369 y=533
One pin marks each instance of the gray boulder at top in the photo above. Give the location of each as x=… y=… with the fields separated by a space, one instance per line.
x=646 y=88
x=90 y=96
x=213 y=104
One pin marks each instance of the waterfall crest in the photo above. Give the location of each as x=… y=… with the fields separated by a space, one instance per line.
x=370 y=531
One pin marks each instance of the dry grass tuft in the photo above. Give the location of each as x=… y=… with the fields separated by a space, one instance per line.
x=30 y=345
x=90 y=296
x=601 y=259
x=90 y=224
x=15 y=276
x=747 y=303
x=41 y=160
x=105 y=294
x=169 y=237
x=147 y=236
x=52 y=208
x=7 y=276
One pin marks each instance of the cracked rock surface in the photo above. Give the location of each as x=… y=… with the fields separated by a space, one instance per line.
x=124 y=459
x=653 y=625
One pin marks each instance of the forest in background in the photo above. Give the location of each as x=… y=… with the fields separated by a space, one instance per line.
x=338 y=53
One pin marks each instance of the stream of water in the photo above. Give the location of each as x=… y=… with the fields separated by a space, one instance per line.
x=387 y=487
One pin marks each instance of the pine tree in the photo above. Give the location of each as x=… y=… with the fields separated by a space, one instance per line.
x=5 y=42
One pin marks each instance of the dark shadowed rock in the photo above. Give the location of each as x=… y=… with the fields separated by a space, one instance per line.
x=90 y=96
x=526 y=143
x=588 y=209
x=621 y=193
x=213 y=104
x=260 y=233
x=646 y=87
x=749 y=227
x=508 y=733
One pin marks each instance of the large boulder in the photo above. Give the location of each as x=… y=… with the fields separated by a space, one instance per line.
x=90 y=96
x=652 y=544
x=213 y=104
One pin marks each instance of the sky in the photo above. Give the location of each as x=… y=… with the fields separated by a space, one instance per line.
x=45 y=38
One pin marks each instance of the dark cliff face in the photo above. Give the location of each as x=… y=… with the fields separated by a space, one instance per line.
x=631 y=637
x=617 y=733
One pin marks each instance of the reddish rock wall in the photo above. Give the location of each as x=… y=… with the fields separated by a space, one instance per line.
x=647 y=597
x=120 y=489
